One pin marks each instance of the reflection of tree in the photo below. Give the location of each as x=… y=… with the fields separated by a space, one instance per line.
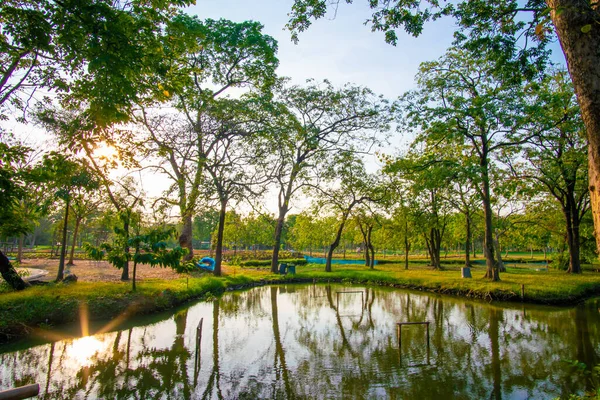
x=478 y=351
x=345 y=343
x=586 y=352
x=279 y=351
x=49 y=373
x=495 y=316
x=215 y=375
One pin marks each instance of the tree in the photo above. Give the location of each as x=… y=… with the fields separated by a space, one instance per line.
x=310 y=233
x=95 y=52
x=235 y=167
x=427 y=180
x=33 y=202
x=233 y=230
x=204 y=225
x=556 y=160
x=355 y=187
x=149 y=248
x=367 y=218
x=77 y=132
x=10 y=191
x=258 y=230
x=501 y=25
x=206 y=61
x=462 y=101
x=317 y=122
x=85 y=201
x=66 y=175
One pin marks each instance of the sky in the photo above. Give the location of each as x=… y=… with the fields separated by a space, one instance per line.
x=341 y=49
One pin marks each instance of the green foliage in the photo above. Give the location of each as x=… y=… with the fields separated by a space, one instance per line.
x=150 y=248
x=482 y=24
x=62 y=46
x=591 y=374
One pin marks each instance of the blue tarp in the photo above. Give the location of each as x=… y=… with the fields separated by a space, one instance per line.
x=318 y=260
x=207 y=263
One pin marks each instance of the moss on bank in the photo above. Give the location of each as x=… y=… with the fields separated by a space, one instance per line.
x=40 y=307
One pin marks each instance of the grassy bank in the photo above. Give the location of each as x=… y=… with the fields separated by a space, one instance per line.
x=41 y=307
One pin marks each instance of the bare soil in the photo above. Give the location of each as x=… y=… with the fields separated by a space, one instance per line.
x=98 y=271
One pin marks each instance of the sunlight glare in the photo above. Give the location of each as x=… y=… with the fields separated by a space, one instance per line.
x=82 y=350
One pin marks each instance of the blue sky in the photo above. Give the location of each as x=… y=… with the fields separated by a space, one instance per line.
x=341 y=49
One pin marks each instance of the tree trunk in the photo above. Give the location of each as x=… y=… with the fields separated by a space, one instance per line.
x=406 y=245
x=573 y=239
x=499 y=262
x=10 y=275
x=434 y=241
x=365 y=243
x=468 y=241
x=133 y=287
x=20 y=248
x=336 y=242
x=63 y=246
x=370 y=248
x=492 y=272
x=219 y=249
x=125 y=272
x=186 y=236
x=582 y=53
x=277 y=240
x=75 y=232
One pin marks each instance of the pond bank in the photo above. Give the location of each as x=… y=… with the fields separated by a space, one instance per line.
x=39 y=308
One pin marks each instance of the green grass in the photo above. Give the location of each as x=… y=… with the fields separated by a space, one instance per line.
x=40 y=307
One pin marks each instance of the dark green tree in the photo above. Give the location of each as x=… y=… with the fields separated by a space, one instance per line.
x=11 y=190
x=463 y=103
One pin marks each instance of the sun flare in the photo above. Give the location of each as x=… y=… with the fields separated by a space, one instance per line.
x=82 y=350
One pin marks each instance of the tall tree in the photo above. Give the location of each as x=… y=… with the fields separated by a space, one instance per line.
x=427 y=179
x=463 y=101
x=319 y=121
x=235 y=168
x=505 y=26
x=79 y=132
x=85 y=201
x=66 y=175
x=556 y=160
x=354 y=187
x=205 y=61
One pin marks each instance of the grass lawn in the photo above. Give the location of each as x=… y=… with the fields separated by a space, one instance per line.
x=41 y=307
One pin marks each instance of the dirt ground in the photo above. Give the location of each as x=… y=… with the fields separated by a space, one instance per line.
x=98 y=271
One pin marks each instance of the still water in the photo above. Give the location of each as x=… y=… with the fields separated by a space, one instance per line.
x=322 y=342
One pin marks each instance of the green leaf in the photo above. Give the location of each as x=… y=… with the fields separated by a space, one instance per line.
x=586 y=28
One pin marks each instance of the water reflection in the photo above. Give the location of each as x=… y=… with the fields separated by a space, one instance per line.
x=334 y=341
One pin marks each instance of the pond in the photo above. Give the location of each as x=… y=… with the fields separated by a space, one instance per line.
x=322 y=341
